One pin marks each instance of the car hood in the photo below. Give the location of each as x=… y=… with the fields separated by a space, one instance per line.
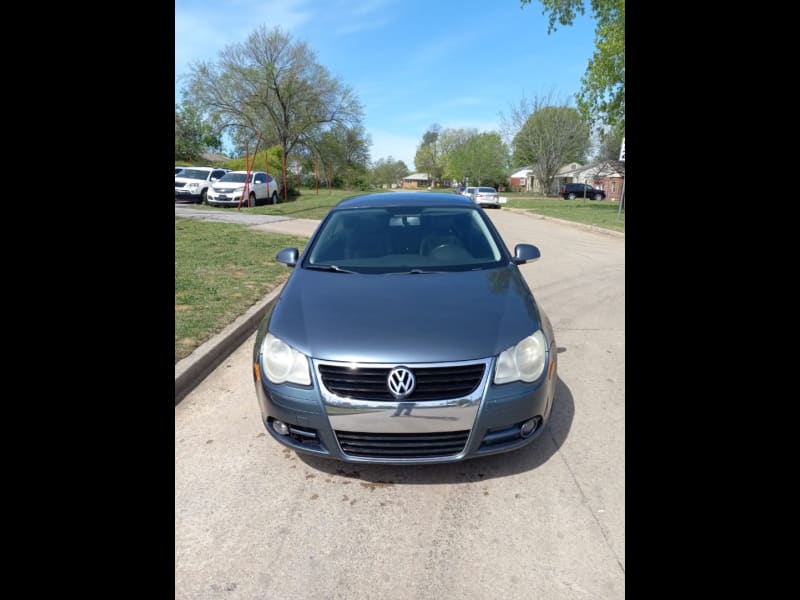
x=403 y=318
x=229 y=185
x=188 y=180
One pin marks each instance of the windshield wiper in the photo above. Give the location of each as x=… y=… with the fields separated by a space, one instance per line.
x=333 y=268
x=422 y=272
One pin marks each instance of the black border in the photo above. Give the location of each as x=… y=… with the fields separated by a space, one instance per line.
x=99 y=477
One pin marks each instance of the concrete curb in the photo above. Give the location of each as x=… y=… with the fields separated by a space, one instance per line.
x=191 y=370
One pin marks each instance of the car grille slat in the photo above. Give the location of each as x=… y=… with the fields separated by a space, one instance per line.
x=433 y=383
x=402 y=445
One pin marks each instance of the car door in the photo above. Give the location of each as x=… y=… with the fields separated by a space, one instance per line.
x=260 y=185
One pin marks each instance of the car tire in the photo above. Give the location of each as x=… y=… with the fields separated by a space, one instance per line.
x=253 y=199
x=203 y=197
x=598 y=196
x=571 y=196
x=274 y=198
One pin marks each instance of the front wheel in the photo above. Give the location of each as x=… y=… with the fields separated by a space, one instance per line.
x=572 y=196
x=274 y=199
x=598 y=196
x=252 y=199
x=203 y=197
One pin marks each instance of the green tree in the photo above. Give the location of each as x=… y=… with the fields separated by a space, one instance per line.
x=610 y=143
x=546 y=135
x=602 y=95
x=388 y=171
x=193 y=134
x=480 y=159
x=449 y=142
x=271 y=90
x=343 y=149
x=428 y=157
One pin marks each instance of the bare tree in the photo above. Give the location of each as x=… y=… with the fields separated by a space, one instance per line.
x=271 y=88
x=546 y=135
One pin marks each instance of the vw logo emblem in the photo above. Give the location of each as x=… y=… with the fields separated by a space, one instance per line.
x=400 y=382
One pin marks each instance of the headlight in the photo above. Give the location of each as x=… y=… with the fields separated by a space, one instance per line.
x=283 y=363
x=523 y=362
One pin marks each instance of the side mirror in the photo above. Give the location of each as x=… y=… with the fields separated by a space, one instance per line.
x=288 y=256
x=525 y=252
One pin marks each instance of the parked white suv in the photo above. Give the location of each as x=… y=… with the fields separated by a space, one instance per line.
x=193 y=183
x=227 y=191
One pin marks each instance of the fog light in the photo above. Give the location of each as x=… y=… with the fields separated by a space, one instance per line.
x=280 y=427
x=529 y=426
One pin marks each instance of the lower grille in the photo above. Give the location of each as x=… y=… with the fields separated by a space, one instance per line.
x=402 y=445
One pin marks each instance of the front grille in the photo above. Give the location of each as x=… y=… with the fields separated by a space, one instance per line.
x=402 y=445
x=180 y=184
x=433 y=383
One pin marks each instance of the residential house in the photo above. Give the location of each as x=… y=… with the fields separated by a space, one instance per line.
x=607 y=175
x=416 y=180
x=523 y=180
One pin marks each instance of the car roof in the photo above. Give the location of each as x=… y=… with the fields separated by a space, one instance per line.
x=245 y=172
x=384 y=199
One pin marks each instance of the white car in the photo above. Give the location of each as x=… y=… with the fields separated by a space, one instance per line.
x=193 y=183
x=486 y=196
x=227 y=191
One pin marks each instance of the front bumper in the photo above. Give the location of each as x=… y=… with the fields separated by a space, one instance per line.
x=184 y=194
x=227 y=199
x=486 y=422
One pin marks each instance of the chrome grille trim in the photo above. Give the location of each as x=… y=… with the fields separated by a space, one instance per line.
x=407 y=417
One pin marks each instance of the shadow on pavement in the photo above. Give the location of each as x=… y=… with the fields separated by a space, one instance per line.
x=525 y=459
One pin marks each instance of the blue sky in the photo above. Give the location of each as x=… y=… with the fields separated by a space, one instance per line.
x=411 y=63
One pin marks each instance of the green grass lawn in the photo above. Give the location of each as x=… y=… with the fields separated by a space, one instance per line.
x=600 y=213
x=221 y=270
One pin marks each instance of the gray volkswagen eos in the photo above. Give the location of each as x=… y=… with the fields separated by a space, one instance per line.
x=405 y=334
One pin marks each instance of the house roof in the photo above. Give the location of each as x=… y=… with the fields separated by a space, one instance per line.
x=562 y=171
x=417 y=177
x=214 y=157
x=521 y=171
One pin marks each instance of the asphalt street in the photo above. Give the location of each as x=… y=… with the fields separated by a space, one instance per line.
x=255 y=520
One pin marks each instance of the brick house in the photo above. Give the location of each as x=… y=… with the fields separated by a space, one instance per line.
x=416 y=180
x=607 y=175
x=522 y=179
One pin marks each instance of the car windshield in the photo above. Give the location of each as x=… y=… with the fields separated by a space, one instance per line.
x=193 y=174
x=407 y=239
x=487 y=190
x=234 y=178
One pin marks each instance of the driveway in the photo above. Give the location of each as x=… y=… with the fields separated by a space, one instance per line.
x=255 y=520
